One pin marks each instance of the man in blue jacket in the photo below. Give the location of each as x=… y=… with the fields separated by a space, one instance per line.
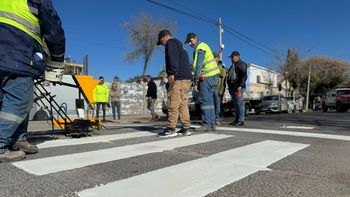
x=26 y=26
x=179 y=83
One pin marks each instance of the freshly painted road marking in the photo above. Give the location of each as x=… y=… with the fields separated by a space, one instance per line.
x=289 y=133
x=202 y=176
x=95 y=139
x=296 y=127
x=67 y=162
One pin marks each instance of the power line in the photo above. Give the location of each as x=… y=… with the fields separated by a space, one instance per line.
x=202 y=18
x=231 y=30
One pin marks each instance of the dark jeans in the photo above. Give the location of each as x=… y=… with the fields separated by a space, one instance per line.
x=116 y=108
x=238 y=103
x=16 y=96
x=98 y=105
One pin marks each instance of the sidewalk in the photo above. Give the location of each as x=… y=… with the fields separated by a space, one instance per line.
x=36 y=126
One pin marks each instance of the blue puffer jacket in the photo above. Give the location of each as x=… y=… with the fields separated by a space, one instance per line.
x=18 y=49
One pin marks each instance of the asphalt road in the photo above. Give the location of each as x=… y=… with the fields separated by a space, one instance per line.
x=302 y=154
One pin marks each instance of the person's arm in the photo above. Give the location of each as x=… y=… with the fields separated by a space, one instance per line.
x=222 y=81
x=148 y=94
x=199 y=64
x=172 y=54
x=51 y=30
x=243 y=74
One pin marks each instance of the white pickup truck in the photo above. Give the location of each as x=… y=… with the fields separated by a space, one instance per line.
x=338 y=98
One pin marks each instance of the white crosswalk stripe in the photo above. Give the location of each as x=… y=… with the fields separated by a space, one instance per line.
x=288 y=133
x=67 y=162
x=197 y=177
x=222 y=168
x=95 y=139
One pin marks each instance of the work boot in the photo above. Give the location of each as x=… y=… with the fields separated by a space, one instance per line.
x=10 y=156
x=25 y=146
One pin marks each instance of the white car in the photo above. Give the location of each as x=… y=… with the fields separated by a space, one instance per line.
x=273 y=103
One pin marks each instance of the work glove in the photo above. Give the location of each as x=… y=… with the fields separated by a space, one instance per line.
x=54 y=71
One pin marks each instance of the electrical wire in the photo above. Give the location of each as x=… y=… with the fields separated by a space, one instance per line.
x=229 y=29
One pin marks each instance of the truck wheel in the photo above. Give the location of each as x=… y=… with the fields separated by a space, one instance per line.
x=340 y=108
x=247 y=110
x=324 y=107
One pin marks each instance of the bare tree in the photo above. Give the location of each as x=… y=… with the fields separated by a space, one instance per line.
x=291 y=68
x=142 y=32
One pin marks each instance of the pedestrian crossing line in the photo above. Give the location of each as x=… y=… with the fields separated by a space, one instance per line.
x=201 y=176
x=289 y=133
x=95 y=139
x=54 y=164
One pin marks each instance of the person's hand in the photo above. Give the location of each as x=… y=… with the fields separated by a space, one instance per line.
x=171 y=79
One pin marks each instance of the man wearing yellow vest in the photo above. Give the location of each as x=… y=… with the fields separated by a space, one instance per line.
x=24 y=24
x=206 y=74
x=101 y=97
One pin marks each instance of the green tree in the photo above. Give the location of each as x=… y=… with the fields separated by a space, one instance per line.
x=143 y=34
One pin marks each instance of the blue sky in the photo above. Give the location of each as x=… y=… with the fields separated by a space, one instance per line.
x=315 y=27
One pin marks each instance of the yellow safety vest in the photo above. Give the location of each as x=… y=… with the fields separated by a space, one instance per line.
x=17 y=13
x=209 y=66
x=101 y=93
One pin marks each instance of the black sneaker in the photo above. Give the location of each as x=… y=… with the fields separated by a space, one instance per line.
x=240 y=123
x=234 y=122
x=185 y=132
x=168 y=133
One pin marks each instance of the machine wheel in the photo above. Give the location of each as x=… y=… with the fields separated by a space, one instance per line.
x=247 y=110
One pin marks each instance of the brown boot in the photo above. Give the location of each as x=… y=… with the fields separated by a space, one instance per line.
x=25 y=146
x=10 y=156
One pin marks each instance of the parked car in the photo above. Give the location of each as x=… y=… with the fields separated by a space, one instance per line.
x=294 y=104
x=273 y=103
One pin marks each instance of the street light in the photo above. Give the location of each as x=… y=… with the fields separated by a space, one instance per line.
x=308 y=88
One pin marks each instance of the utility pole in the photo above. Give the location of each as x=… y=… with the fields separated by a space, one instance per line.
x=308 y=89
x=221 y=46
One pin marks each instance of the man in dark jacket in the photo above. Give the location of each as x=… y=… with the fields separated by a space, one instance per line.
x=151 y=97
x=237 y=76
x=179 y=79
x=24 y=25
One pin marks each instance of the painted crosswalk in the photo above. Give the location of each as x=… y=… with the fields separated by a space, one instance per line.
x=198 y=176
x=202 y=176
x=67 y=162
x=288 y=133
x=95 y=139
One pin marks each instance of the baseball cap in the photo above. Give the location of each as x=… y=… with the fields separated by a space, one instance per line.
x=161 y=34
x=234 y=53
x=189 y=36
